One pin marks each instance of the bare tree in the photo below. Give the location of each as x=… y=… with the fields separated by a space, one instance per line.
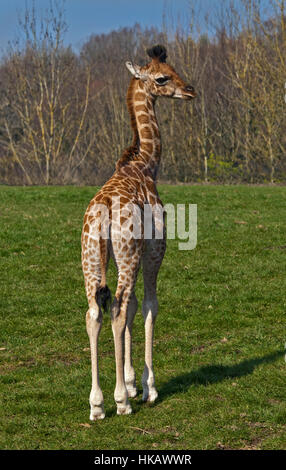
x=46 y=97
x=63 y=117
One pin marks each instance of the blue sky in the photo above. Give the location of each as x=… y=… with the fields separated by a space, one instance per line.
x=85 y=17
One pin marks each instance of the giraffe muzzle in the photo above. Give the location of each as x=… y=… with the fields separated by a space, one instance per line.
x=190 y=91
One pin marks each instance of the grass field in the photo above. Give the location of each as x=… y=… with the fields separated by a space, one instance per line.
x=219 y=338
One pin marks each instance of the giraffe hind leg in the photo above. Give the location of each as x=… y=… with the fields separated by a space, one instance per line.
x=92 y=275
x=93 y=326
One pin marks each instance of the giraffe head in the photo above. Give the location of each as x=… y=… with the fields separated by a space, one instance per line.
x=160 y=78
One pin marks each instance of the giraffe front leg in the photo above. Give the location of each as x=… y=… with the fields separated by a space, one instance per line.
x=93 y=326
x=129 y=372
x=127 y=258
x=149 y=310
x=152 y=260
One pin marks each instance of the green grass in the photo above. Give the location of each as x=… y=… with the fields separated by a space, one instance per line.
x=219 y=338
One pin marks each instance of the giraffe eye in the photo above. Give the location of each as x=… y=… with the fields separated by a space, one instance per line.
x=162 y=80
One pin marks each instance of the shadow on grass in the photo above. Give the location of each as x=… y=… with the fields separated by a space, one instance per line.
x=208 y=375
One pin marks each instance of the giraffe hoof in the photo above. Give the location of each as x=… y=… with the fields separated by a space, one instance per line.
x=149 y=395
x=132 y=392
x=124 y=410
x=96 y=415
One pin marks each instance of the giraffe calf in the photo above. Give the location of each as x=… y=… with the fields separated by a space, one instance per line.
x=133 y=183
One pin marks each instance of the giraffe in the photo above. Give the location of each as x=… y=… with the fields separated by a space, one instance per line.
x=133 y=182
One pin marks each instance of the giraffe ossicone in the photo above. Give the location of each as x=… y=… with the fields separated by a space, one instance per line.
x=106 y=233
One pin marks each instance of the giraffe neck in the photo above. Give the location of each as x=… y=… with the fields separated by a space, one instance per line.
x=141 y=106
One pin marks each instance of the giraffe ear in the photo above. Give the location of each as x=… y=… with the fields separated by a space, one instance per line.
x=135 y=70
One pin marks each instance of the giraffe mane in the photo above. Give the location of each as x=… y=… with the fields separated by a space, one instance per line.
x=127 y=156
x=130 y=152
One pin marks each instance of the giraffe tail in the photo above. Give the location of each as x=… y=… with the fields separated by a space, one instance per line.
x=103 y=294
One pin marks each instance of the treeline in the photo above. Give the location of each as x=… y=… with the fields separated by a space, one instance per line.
x=63 y=117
